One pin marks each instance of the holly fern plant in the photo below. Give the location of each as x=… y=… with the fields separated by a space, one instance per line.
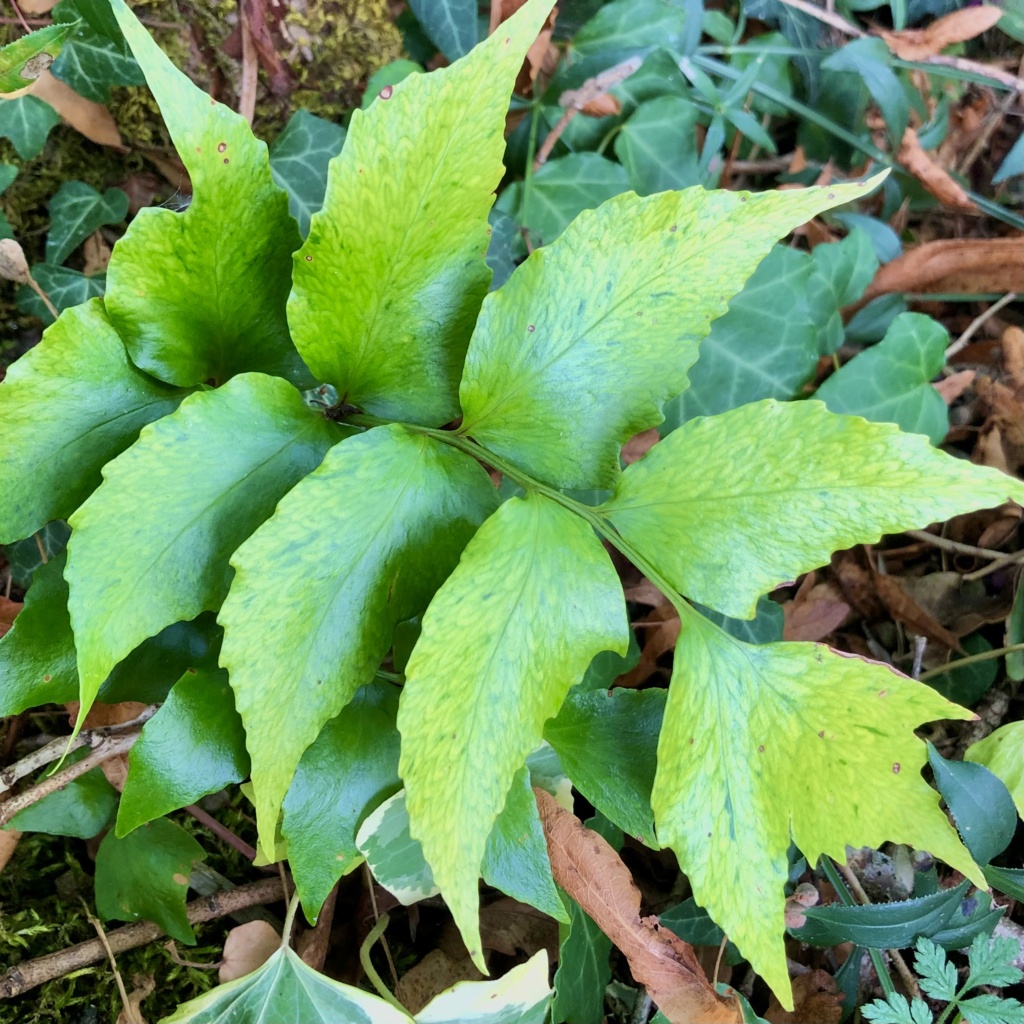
x=295 y=435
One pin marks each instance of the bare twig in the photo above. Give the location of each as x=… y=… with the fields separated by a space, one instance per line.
x=56 y=749
x=977 y=322
x=21 y=17
x=826 y=16
x=25 y=976
x=954 y=545
x=133 y=1017
x=222 y=832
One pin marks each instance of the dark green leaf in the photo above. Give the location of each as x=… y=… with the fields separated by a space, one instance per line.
x=608 y=666
x=70 y=404
x=1015 y=635
x=975 y=916
x=625 y=27
x=882 y=925
x=91 y=61
x=452 y=24
x=26 y=121
x=967 y=685
x=299 y=159
x=25 y=556
x=82 y=808
x=192 y=747
x=144 y=876
x=980 y=803
x=658 y=146
x=891 y=381
x=1007 y=880
x=764 y=628
x=218 y=465
x=37 y=654
x=583 y=969
x=693 y=924
x=64 y=286
x=499 y=249
x=391 y=74
x=76 y=211
x=351 y=767
x=871 y=59
x=607 y=741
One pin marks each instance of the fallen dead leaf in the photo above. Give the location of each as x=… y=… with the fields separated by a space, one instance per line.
x=607 y=105
x=971 y=264
x=639 y=444
x=96 y=254
x=816 y=1000
x=90 y=119
x=131 y=1013
x=952 y=387
x=821 y=612
x=803 y=896
x=590 y=871
x=934 y=178
x=8 y=844
x=903 y=608
x=958 y=27
x=114 y=768
x=247 y=947
x=436 y=972
x=659 y=631
x=961 y=606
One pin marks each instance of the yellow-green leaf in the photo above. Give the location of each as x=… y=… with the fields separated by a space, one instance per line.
x=534 y=598
x=24 y=60
x=358 y=546
x=581 y=347
x=730 y=506
x=390 y=280
x=1002 y=753
x=766 y=744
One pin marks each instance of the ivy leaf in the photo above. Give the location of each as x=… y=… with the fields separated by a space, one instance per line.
x=551 y=387
x=451 y=24
x=76 y=211
x=658 y=146
x=298 y=161
x=503 y=630
x=37 y=654
x=66 y=288
x=69 y=404
x=8 y=172
x=27 y=121
x=358 y=546
x=748 y=761
x=607 y=741
x=91 y=62
x=24 y=60
x=197 y=729
x=891 y=382
x=583 y=969
x=191 y=489
x=515 y=857
x=193 y=301
x=144 y=876
x=81 y=809
x=389 y=283
x=1002 y=753
x=351 y=767
x=782 y=486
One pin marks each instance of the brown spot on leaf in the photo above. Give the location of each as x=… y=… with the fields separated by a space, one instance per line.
x=896 y=768
x=180 y=879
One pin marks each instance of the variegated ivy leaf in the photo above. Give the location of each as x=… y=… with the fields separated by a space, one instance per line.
x=390 y=280
x=188 y=492
x=730 y=506
x=579 y=350
x=763 y=745
x=358 y=546
x=503 y=641
x=68 y=406
x=200 y=295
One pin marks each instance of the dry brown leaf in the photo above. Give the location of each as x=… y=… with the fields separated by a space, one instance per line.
x=934 y=178
x=952 y=387
x=639 y=445
x=645 y=592
x=962 y=607
x=8 y=612
x=593 y=874
x=8 y=844
x=903 y=608
x=819 y=614
x=816 y=998
x=659 y=634
x=96 y=254
x=436 y=972
x=247 y=947
x=90 y=119
x=602 y=106
x=992 y=264
x=856 y=582
x=958 y=27
x=1012 y=344
x=114 y=768
x=34 y=8
x=143 y=986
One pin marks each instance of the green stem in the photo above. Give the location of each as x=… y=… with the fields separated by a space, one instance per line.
x=952 y=666
x=289 y=920
x=371 y=972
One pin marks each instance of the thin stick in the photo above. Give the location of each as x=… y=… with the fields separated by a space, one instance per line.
x=21 y=17
x=119 y=981
x=953 y=545
x=57 y=748
x=222 y=832
x=999 y=563
x=376 y=917
x=495 y=19
x=247 y=86
x=42 y=551
x=974 y=326
x=840 y=24
x=952 y=666
x=43 y=297
x=107 y=749
x=32 y=973
x=718 y=959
